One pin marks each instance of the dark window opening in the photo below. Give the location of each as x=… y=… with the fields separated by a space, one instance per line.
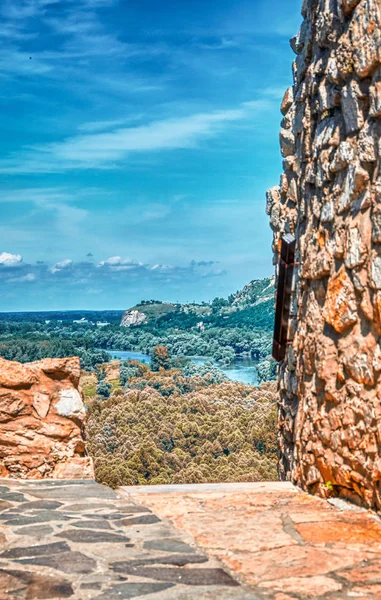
x=283 y=298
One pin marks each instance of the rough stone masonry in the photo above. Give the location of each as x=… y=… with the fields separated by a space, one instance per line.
x=42 y=420
x=329 y=198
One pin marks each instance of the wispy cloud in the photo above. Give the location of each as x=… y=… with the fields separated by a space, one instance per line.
x=109 y=149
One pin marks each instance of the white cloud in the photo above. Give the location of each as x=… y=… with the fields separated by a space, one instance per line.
x=10 y=260
x=63 y=265
x=107 y=150
x=113 y=271
x=116 y=263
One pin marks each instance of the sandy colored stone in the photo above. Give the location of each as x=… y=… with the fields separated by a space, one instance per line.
x=42 y=418
x=311 y=586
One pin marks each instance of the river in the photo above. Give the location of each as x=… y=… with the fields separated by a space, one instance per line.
x=242 y=369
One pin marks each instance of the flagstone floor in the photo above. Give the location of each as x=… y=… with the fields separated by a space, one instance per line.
x=80 y=540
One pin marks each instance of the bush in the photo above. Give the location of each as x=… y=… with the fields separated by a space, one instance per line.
x=104 y=389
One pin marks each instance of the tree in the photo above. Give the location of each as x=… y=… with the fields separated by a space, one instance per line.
x=104 y=389
x=160 y=358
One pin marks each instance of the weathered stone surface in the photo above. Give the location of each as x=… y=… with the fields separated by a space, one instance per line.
x=31 y=586
x=168 y=545
x=133 y=590
x=288 y=100
x=142 y=520
x=42 y=417
x=37 y=531
x=99 y=524
x=40 y=550
x=179 y=560
x=88 y=536
x=68 y=562
x=330 y=383
x=187 y=576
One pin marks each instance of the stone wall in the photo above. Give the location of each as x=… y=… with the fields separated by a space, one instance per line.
x=41 y=420
x=329 y=197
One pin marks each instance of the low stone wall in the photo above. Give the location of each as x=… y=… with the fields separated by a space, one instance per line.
x=329 y=197
x=41 y=420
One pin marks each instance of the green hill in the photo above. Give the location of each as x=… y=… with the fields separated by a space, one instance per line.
x=253 y=306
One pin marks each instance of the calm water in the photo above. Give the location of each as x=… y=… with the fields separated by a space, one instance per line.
x=242 y=369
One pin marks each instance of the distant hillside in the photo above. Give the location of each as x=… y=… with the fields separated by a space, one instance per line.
x=253 y=306
x=255 y=292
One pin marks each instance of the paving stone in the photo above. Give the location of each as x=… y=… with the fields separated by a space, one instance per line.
x=183 y=576
x=15 y=584
x=85 y=506
x=68 y=562
x=5 y=516
x=65 y=482
x=134 y=508
x=108 y=517
x=87 y=536
x=74 y=492
x=142 y=520
x=178 y=560
x=95 y=585
x=214 y=592
x=40 y=505
x=168 y=545
x=155 y=531
x=39 y=550
x=98 y=524
x=4 y=505
x=35 y=530
x=133 y=590
x=42 y=516
x=12 y=497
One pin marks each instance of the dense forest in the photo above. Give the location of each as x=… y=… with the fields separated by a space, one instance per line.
x=187 y=425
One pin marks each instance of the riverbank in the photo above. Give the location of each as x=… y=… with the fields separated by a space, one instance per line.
x=242 y=369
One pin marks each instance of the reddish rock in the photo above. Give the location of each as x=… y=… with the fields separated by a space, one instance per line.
x=340 y=308
x=42 y=420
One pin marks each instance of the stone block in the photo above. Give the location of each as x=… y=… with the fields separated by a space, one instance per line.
x=272 y=197
x=288 y=100
x=287 y=142
x=355 y=251
x=352 y=111
x=365 y=37
x=43 y=415
x=375 y=272
x=340 y=308
x=344 y=155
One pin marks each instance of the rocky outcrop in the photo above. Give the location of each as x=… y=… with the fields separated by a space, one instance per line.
x=132 y=317
x=42 y=420
x=329 y=197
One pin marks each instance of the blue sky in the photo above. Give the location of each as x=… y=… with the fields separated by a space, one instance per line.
x=139 y=138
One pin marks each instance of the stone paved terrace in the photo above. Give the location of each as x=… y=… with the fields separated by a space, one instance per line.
x=80 y=540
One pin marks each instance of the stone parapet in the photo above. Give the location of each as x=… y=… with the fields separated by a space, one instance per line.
x=42 y=420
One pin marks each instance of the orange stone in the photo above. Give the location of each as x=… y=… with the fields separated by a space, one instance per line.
x=340 y=308
x=340 y=531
